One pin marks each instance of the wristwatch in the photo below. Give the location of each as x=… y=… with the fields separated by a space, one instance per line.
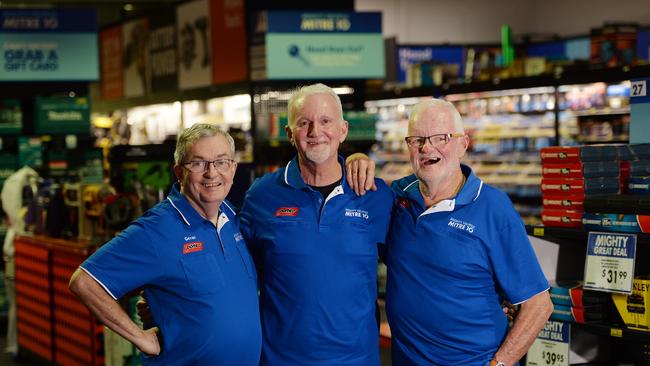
x=494 y=362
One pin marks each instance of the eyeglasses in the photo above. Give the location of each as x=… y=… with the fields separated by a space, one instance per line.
x=200 y=166
x=441 y=139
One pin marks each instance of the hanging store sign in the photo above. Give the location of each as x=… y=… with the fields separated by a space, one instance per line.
x=609 y=265
x=194 y=54
x=135 y=35
x=323 y=45
x=163 y=63
x=48 y=45
x=228 y=23
x=551 y=347
x=639 y=111
x=110 y=47
x=61 y=115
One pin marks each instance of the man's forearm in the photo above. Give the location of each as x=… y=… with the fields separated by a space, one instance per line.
x=109 y=311
x=531 y=319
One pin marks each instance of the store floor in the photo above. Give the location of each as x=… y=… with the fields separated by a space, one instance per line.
x=6 y=360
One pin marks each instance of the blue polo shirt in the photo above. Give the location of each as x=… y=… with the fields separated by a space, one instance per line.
x=447 y=266
x=318 y=267
x=199 y=280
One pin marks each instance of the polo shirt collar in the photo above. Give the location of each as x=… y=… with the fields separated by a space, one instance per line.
x=189 y=215
x=292 y=177
x=470 y=191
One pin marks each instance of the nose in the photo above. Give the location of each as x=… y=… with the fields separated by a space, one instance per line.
x=211 y=171
x=428 y=145
x=314 y=129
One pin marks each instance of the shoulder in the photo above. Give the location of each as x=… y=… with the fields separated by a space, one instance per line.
x=398 y=186
x=266 y=181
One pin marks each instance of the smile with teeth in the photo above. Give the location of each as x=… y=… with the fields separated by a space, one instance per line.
x=429 y=161
x=211 y=185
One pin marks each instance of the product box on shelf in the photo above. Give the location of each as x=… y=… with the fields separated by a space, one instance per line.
x=571 y=293
x=580 y=187
x=634 y=308
x=586 y=314
x=563 y=202
x=562 y=218
x=581 y=170
x=618 y=204
x=613 y=44
x=628 y=223
x=576 y=154
x=631 y=152
x=638 y=185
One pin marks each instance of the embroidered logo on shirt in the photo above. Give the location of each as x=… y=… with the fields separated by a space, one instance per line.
x=192 y=247
x=239 y=237
x=403 y=202
x=461 y=225
x=287 y=211
x=356 y=213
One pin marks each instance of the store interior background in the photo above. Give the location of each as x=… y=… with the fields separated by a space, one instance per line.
x=408 y=22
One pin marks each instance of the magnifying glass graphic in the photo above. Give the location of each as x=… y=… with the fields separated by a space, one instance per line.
x=294 y=52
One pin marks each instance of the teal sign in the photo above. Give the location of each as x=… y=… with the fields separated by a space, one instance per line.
x=48 y=45
x=61 y=115
x=324 y=46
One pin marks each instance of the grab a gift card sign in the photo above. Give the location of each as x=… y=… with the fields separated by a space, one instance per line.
x=609 y=265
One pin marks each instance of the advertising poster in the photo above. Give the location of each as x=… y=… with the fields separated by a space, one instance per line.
x=135 y=35
x=163 y=63
x=324 y=45
x=48 y=45
x=110 y=47
x=193 y=39
x=228 y=41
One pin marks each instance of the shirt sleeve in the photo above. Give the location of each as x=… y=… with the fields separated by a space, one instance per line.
x=515 y=264
x=127 y=262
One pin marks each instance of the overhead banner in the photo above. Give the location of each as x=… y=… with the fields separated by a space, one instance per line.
x=324 y=45
x=61 y=115
x=163 y=63
x=194 y=54
x=110 y=46
x=48 y=45
x=135 y=35
x=228 y=41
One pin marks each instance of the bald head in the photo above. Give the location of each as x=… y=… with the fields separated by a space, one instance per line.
x=440 y=111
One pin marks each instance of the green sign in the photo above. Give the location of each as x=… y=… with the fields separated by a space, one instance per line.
x=61 y=115
x=11 y=117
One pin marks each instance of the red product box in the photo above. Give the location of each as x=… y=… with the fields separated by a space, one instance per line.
x=563 y=202
x=560 y=154
x=562 y=218
x=563 y=187
x=568 y=170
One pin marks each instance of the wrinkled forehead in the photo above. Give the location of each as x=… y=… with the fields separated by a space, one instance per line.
x=438 y=120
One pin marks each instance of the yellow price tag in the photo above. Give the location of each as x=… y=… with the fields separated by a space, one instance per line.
x=538 y=231
x=615 y=332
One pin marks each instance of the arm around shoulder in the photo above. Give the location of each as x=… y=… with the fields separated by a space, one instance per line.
x=109 y=312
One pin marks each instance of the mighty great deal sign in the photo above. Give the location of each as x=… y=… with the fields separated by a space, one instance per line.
x=48 y=45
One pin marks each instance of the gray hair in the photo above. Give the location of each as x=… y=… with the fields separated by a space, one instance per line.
x=427 y=104
x=297 y=99
x=191 y=135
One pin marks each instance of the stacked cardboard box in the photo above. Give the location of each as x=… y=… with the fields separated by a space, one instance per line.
x=634 y=308
x=569 y=174
x=572 y=303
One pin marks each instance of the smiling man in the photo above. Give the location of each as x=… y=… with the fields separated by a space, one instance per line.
x=316 y=245
x=190 y=258
x=456 y=247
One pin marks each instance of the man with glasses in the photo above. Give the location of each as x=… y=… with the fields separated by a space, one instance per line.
x=456 y=247
x=316 y=245
x=189 y=256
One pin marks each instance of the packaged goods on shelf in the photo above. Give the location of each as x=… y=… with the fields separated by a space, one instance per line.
x=634 y=308
x=618 y=204
x=562 y=218
x=563 y=202
x=631 y=152
x=576 y=154
x=580 y=187
x=581 y=170
x=629 y=223
x=587 y=314
x=638 y=185
x=571 y=293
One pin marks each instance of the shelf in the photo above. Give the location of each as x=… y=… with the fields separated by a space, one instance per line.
x=615 y=332
x=575 y=235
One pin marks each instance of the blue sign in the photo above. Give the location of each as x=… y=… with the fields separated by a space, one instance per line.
x=611 y=245
x=555 y=331
x=409 y=55
x=324 y=45
x=48 y=45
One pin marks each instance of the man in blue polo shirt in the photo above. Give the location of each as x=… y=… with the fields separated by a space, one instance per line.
x=315 y=244
x=456 y=247
x=189 y=256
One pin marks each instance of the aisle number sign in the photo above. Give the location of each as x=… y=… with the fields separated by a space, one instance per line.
x=551 y=347
x=610 y=262
x=639 y=111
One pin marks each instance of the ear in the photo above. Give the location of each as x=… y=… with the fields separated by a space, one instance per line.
x=344 y=130
x=178 y=172
x=289 y=135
